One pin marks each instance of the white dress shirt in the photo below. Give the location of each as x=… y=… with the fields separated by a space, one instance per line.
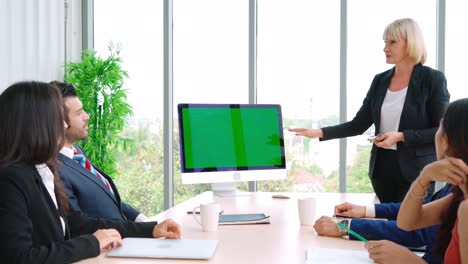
x=370 y=211
x=48 y=180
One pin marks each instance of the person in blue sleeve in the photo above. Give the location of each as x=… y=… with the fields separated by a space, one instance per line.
x=379 y=229
x=89 y=189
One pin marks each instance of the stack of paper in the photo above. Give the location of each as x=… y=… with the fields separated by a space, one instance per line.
x=332 y=256
x=243 y=219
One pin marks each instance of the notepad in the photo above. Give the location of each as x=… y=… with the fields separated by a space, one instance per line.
x=164 y=248
x=243 y=219
x=335 y=256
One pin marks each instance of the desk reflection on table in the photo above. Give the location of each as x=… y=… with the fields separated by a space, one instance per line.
x=282 y=241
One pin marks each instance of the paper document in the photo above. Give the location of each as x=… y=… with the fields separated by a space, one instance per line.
x=332 y=256
x=133 y=247
x=243 y=219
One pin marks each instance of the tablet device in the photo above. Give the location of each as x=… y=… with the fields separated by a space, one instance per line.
x=243 y=219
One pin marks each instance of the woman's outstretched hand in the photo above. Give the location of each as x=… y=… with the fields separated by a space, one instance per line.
x=307 y=132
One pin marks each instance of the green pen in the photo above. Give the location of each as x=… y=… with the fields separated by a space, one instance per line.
x=352 y=232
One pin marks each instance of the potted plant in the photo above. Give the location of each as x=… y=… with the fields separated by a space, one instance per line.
x=99 y=84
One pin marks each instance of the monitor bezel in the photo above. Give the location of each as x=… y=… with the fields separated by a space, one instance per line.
x=186 y=171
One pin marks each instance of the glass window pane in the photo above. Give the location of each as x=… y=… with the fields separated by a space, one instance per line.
x=455 y=46
x=210 y=62
x=366 y=59
x=140 y=180
x=298 y=67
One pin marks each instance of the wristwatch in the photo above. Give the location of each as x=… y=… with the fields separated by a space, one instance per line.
x=345 y=222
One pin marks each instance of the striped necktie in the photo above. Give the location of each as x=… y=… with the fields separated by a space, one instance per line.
x=80 y=158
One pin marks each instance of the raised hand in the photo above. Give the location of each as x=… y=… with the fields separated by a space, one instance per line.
x=450 y=170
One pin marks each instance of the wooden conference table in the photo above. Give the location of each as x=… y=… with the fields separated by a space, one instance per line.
x=282 y=241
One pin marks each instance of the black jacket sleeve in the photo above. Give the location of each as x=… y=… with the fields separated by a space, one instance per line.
x=81 y=224
x=29 y=230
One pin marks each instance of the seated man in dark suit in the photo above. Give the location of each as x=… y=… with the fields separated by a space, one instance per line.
x=379 y=229
x=89 y=189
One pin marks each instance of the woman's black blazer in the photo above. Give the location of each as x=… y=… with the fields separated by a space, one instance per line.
x=425 y=102
x=30 y=228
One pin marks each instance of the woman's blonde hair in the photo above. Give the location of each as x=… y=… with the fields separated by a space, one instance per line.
x=408 y=30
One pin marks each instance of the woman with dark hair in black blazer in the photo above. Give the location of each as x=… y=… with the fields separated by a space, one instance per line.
x=405 y=104
x=35 y=225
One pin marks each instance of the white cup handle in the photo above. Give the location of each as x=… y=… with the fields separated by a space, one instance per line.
x=194 y=213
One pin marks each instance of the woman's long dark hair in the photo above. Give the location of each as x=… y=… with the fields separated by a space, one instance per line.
x=31 y=128
x=455 y=126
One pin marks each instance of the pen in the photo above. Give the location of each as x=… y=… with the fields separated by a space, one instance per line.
x=373 y=138
x=352 y=232
x=198 y=212
x=420 y=250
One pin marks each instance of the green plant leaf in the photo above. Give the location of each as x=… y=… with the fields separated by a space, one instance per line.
x=99 y=83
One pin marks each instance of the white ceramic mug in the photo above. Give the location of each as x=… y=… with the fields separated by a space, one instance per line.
x=306 y=208
x=209 y=214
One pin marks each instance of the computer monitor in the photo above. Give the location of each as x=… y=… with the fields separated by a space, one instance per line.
x=222 y=143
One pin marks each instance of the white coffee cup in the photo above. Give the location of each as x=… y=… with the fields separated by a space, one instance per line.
x=306 y=208
x=209 y=214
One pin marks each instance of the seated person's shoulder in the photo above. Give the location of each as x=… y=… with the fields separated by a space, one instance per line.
x=18 y=175
x=15 y=169
x=463 y=209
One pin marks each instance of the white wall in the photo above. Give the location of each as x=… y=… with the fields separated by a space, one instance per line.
x=32 y=39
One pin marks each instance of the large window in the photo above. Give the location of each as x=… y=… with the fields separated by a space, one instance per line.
x=456 y=56
x=140 y=180
x=210 y=61
x=298 y=67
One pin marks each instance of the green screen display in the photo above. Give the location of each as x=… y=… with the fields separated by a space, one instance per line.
x=230 y=137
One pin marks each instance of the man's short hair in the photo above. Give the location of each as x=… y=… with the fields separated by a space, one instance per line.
x=67 y=90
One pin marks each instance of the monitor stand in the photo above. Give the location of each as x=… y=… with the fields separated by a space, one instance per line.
x=227 y=189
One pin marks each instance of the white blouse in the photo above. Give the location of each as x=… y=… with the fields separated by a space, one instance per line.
x=390 y=113
x=48 y=180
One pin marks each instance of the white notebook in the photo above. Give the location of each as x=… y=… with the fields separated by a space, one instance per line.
x=165 y=248
x=331 y=256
